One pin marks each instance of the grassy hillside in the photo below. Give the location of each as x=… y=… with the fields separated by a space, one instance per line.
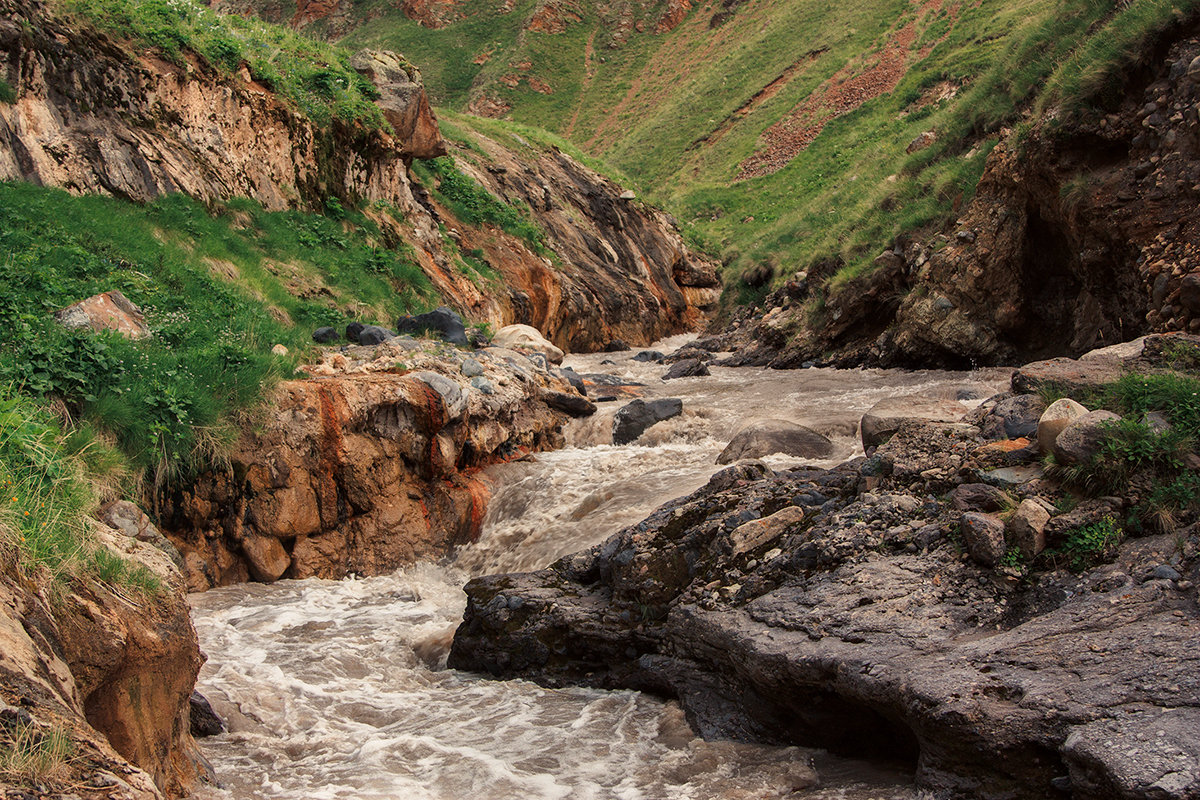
x=780 y=129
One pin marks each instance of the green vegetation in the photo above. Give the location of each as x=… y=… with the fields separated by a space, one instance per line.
x=30 y=753
x=475 y=205
x=218 y=290
x=316 y=76
x=1148 y=457
x=50 y=482
x=1087 y=546
x=680 y=112
x=8 y=95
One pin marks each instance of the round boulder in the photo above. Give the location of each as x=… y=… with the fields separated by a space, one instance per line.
x=633 y=419
x=1080 y=440
x=1054 y=419
x=769 y=436
x=688 y=368
x=525 y=337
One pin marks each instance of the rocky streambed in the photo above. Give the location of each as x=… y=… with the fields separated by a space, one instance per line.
x=339 y=688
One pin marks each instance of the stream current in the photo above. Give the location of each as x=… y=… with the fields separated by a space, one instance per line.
x=338 y=689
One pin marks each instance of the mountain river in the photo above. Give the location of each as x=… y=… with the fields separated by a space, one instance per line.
x=338 y=689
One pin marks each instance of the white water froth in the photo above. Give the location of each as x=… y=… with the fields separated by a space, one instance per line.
x=337 y=689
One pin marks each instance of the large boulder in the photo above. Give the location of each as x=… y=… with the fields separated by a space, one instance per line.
x=1027 y=527
x=1080 y=440
x=370 y=335
x=110 y=311
x=633 y=419
x=1013 y=417
x=403 y=101
x=764 y=437
x=525 y=337
x=443 y=322
x=1055 y=419
x=569 y=403
x=984 y=537
x=884 y=418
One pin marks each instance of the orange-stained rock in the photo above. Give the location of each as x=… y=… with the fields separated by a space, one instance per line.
x=109 y=311
x=403 y=100
x=363 y=471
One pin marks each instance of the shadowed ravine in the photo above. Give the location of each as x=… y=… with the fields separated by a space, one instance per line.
x=338 y=689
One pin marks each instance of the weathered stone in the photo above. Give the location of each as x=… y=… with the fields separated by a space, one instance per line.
x=1054 y=419
x=1013 y=418
x=325 y=335
x=569 y=402
x=884 y=418
x=1066 y=374
x=1027 y=528
x=649 y=355
x=203 y=720
x=266 y=557
x=1080 y=440
x=632 y=420
x=740 y=473
x=110 y=311
x=443 y=322
x=758 y=532
x=978 y=497
x=616 y=346
x=483 y=385
x=471 y=368
x=1012 y=477
x=1138 y=753
x=371 y=335
x=765 y=437
x=1189 y=291
x=984 y=537
x=525 y=337
x=403 y=101
x=687 y=368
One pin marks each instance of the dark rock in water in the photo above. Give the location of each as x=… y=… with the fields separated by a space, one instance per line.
x=604 y=379
x=653 y=356
x=325 y=335
x=633 y=419
x=689 y=351
x=204 y=721
x=688 y=368
x=443 y=322
x=574 y=404
x=616 y=346
x=769 y=436
x=353 y=330
x=373 y=334
x=978 y=497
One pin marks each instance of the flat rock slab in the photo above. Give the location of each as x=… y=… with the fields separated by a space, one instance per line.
x=1066 y=374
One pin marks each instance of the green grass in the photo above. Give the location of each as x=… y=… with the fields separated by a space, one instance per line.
x=1135 y=455
x=475 y=205
x=218 y=289
x=7 y=94
x=674 y=112
x=315 y=76
x=31 y=753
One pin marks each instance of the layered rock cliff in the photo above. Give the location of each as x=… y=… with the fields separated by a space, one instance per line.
x=107 y=669
x=367 y=466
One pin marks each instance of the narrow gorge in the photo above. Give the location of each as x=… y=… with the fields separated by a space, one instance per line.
x=599 y=400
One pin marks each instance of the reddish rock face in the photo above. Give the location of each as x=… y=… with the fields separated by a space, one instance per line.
x=110 y=311
x=362 y=472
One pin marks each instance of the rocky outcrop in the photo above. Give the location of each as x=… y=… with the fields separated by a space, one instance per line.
x=91 y=117
x=622 y=270
x=852 y=610
x=109 y=668
x=1080 y=233
x=366 y=466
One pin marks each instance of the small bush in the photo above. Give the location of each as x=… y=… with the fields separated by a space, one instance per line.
x=30 y=753
x=1087 y=546
x=8 y=94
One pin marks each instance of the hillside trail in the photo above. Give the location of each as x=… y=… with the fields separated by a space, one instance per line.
x=336 y=689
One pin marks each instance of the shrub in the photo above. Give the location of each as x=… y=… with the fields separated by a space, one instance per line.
x=1087 y=546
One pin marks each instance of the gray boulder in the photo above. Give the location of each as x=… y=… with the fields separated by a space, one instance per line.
x=769 y=436
x=632 y=420
x=1080 y=440
x=984 y=537
x=687 y=368
x=1014 y=417
x=325 y=335
x=373 y=334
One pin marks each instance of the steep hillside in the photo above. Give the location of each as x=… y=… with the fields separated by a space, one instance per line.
x=790 y=134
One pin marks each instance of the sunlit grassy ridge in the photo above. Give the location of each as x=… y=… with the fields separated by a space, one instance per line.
x=315 y=76
x=681 y=112
x=219 y=291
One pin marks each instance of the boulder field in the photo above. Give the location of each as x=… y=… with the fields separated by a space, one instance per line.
x=920 y=604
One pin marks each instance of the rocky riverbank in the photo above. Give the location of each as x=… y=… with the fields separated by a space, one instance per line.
x=369 y=464
x=94 y=701
x=946 y=601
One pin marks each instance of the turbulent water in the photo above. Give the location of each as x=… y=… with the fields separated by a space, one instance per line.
x=337 y=689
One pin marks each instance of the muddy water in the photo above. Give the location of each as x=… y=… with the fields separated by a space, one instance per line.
x=337 y=689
